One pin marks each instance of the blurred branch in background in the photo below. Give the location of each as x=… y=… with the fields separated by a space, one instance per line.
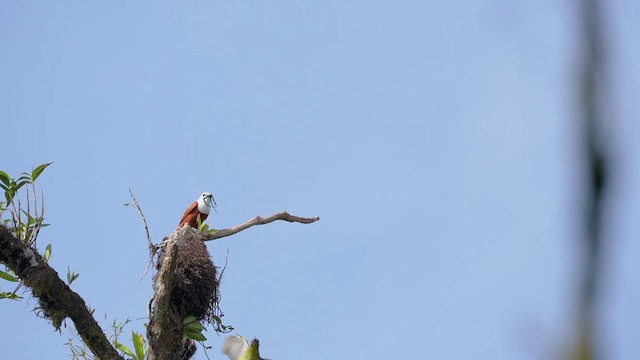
x=593 y=100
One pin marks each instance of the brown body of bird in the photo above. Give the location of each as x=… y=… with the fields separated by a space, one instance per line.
x=201 y=207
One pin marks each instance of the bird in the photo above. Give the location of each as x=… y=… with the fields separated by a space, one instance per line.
x=237 y=348
x=200 y=207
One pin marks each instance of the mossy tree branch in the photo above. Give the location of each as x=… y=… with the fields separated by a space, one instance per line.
x=56 y=299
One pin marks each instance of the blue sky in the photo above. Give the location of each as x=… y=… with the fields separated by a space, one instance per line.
x=437 y=141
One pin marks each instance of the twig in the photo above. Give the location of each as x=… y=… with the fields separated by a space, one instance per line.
x=138 y=210
x=216 y=313
x=283 y=215
x=152 y=247
x=226 y=261
x=204 y=348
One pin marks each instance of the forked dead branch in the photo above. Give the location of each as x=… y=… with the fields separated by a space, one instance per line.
x=257 y=220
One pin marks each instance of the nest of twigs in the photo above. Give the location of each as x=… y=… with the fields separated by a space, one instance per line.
x=195 y=288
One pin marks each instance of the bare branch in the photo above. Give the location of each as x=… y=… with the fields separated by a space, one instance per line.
x=283 y=215
x=138 y=210
x=152 y=247
x=56 y=299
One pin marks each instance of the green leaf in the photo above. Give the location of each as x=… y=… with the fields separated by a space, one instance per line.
x=71 y=276
x=123 y=348
x=194 y=335
x=8 y=194
x=10 y=296
x=29 y=217
x=200 y=223
x=195 y=326
x=7 y=276
x=4 y=177
x=38 y=170
x=47 y=253
x=138 y=344
x=22 y=183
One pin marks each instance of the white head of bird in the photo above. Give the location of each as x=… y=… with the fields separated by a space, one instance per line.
x=205 y=203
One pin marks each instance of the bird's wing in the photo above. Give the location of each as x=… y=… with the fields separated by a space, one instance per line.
x=193 y=207
x=253 y=353
x=234 y=346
